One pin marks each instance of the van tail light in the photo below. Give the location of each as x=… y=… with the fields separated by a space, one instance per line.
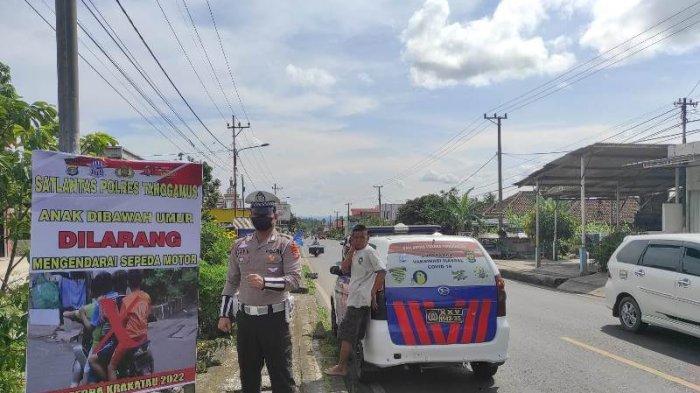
x=501 y=288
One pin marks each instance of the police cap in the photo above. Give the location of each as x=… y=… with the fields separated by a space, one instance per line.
x=262 y=202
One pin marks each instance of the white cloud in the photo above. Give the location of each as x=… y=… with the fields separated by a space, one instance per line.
x=435 y=177
x=310 y=77
x=483 y=51
x=365 y=78
x=616 y=21
x=355 y=105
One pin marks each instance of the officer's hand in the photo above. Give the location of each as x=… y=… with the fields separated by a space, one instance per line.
x=375 y=305
x=225 y=324
x=256 y=281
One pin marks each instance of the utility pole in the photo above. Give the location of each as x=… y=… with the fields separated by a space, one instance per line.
x=379 y=189
x=684 y=103
x=497 y=122
x=243 y=190
x=348 y=220
x=681 y=173
x=276 y=188
x=234 y=127
x=67 y=66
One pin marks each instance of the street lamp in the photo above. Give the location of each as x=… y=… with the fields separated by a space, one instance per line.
x=235 y=175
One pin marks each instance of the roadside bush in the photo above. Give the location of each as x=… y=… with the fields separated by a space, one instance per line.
x=602 y=251
x=13 y=338
x=215 y=243
x=211 y=282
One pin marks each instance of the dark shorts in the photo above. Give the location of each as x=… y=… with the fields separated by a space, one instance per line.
x=354 y=323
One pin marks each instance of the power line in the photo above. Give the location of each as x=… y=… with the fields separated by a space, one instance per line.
x=189 y=61
x=464 y=180
x=118 y=67
x=257 y=156
x=594 y=71
x=538 y=96
x=126 y=76
x=595 y=58
x=108 y=82
x=228 y=65
x=139 y=69
x=206 y=55
x=155 y=58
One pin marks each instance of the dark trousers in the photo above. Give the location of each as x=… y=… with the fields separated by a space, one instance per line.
x=265 y=339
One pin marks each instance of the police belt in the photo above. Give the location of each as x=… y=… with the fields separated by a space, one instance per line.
x=262 y=310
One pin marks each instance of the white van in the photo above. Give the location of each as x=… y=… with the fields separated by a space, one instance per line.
x=655 y=279
x=444 y=303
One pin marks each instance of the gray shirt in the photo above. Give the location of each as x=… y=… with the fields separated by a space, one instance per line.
x=276 y=259
x=365 y=264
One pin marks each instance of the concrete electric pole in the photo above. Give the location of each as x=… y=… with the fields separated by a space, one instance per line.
x=681 y=172
x=379 y=190
x=67 y=66
x=347 y=226
x=684 y=103
x=234 y=127
x=497 y=122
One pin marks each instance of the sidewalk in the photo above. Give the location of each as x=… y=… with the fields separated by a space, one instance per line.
x=563 y=275
x=306 y=357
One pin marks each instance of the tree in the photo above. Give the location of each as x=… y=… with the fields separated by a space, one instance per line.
x=94 y=144
x=210 y=188
x=24 y=127
x=373 y=221
x=428 y=209
x=565 y=223
x=463 y=209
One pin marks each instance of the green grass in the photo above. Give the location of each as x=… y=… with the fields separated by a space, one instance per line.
x=310 y=283
x=328 y=344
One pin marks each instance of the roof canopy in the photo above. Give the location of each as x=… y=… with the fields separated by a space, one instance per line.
x=608 y=167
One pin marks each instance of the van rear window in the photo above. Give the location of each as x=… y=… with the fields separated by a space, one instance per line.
x=437 y=263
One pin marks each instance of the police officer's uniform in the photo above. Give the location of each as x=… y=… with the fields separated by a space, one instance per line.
x=263 y=316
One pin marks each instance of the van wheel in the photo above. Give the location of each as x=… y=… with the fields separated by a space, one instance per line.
x=363 y=372
x=484 y=370
x=334 y=321
x=630 y=315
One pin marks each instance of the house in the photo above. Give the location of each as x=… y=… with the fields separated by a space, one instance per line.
x=597 y=210
x=364 y=212
x=390 y=211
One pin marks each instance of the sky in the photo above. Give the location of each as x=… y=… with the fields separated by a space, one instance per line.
x=355 y=94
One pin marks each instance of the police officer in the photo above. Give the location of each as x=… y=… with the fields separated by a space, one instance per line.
x=263 y=268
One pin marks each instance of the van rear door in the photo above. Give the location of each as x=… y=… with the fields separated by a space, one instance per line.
x=440 y=292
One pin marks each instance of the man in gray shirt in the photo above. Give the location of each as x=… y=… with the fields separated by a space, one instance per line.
x=366 y=279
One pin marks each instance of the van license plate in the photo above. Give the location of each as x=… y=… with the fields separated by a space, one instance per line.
x=444 y=315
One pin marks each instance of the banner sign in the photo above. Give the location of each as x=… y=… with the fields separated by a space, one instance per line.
x=113 y=274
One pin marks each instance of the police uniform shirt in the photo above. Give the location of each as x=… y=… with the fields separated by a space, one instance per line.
x=275 y=259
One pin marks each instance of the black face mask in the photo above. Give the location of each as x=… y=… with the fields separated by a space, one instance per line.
x=262 y=223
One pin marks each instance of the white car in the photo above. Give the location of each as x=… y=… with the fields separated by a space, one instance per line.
x=655 y=279
x=444 y=303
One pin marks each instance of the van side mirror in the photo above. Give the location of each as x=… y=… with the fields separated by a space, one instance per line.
x=336 y=270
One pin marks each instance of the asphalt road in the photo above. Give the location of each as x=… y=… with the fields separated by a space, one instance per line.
x=560 y=342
